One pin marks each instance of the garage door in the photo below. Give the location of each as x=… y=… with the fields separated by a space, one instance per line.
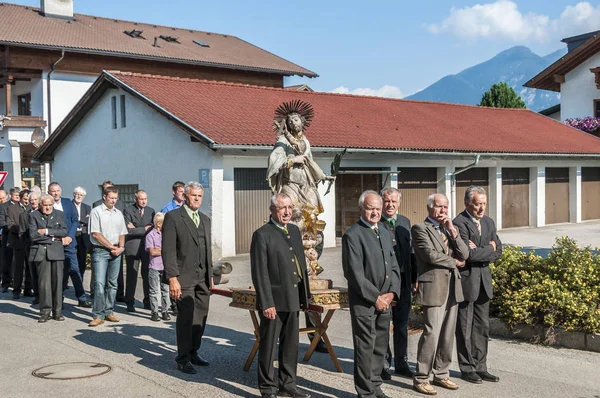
x=348 y=188
x=515 y=197
x=557 y=195
x=252 y=196
x=416 y=184
x=475 y=176
x=590 y=193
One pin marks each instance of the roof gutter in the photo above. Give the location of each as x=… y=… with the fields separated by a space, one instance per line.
x=133 y=91
x=164 y=59
x=415 y=152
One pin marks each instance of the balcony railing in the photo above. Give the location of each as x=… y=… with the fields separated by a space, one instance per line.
x=24 y=121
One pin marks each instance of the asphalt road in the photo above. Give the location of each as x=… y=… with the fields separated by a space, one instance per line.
x=141 y=352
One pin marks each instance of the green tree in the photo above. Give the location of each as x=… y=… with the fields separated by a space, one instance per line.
x=501 y=95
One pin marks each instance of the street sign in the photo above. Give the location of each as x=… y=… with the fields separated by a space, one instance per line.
x=3 y=175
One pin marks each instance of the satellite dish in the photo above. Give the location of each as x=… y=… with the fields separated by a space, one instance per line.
x=38 y=137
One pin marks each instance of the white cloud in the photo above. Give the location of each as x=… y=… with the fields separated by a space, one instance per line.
x=502 y=19
x=383 y=91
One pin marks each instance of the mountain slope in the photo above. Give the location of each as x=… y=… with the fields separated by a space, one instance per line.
x=514 y=66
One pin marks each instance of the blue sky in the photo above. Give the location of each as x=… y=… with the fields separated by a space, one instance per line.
x=392 y=48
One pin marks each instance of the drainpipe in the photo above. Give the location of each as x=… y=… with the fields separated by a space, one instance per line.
x=52 y=68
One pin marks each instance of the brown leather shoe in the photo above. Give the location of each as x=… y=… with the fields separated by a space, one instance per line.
x=424 y=388
x=112 y=318
x=96 y=322
x=445 y=383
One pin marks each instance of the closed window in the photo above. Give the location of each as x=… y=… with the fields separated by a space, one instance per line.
x=113 y=109
x=123 y=113
x=597 y=107
x=24 y=102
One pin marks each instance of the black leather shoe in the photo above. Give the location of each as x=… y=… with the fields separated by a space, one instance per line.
x=404 y=371
x=130 y=308
x=293 y=393
x=166 y=316
x=385 y=375
x=486 y=376
x=471 y=377
x=321 y=347
x=85 y=304
x=198 y=360
x=186 y=368
x=58 y=318
x=44 y=319
x=154 y=317
x=28 y=293
x=35 y=301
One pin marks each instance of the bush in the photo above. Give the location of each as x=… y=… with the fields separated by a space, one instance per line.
x=562 y=290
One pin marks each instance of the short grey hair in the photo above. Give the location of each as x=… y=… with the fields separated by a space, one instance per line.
x=139 y=191
x=37 y=189
x=158 y=217
x=470 y=193
x=46 y=197
x=275 y=198
x=363 y=196
x=390 y=191
x=192 y=185
x=34 y=194
x=431 y=198
x=79 y=190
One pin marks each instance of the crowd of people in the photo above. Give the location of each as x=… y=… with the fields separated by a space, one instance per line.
x=443 y=263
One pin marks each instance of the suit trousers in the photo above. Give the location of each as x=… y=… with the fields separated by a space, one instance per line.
x=20 y=270
x=34 y=274
x=82 y=251
x=472 y=333
x=134 y=263
x=7 y=257
x=285 y=329
x=50 y=286
x=121 y=281
x=370 y=335
x=434 y=351
x=191 y=320
x=400 y=315
x=72 y=270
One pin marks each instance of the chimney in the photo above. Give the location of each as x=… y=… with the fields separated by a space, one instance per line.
x=57 y=8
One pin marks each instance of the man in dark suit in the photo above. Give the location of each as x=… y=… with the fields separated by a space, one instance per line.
x=7 y=251
x=373 y=275
x=19 y=265
x=138 y=218
x=439 y=252
x=187 y=258
x=120 y=205
x=34 y=205
x=47 y=228
x=478 y=231
x=82 y=236
x=399 y=227
x=69 y=242
x=279 y=276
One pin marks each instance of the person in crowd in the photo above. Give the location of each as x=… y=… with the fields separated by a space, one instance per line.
x=82 y=236
x=440 y=253
x=159 y=291
x=178 y=198
x=107 y=230
x=69 y=242
x=20 y=270
x=373 y=275
x=138 y=218
x=278 y=268
x=24 y=218
x=399 y=227
x=120 y=205
x=478 y=232
x=7 y=251
x=47 y=228
x=187 y=258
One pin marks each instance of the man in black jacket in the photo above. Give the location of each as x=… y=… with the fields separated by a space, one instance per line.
x=371 y=268
x=138 y=218
x=46 y=230
x=187 y=258
x=399 y=227
x=7 y=251
x=478 y=231
x=20 y=269
x=34 y=205
x=279 y=276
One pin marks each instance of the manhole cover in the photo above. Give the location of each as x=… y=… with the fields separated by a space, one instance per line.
x=73 y=370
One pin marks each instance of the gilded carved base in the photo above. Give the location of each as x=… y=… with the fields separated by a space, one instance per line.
x=246 y=298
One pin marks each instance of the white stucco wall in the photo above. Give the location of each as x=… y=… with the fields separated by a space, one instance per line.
x=66 y=90
x=578 y=92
